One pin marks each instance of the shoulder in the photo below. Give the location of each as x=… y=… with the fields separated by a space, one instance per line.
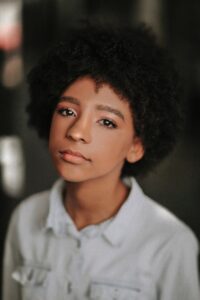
x=164 y=221
x=161 y=225
x=164 y=241
x=170 y=236
x=36 y=202
x=30 y=213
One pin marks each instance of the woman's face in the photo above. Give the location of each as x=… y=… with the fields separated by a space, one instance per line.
x=92 y=133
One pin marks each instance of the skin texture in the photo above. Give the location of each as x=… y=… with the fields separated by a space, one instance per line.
x=91 y=136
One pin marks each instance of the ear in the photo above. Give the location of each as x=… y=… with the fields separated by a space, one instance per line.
x=136 y=151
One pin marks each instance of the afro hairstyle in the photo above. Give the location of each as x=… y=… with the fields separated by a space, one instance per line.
x=131 y=61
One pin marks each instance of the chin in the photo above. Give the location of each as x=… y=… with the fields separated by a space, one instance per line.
x=73 y=179
x=72 y=175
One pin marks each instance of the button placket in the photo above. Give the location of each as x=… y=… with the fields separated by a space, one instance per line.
x=74 y=269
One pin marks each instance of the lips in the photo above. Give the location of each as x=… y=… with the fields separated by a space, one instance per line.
x=72 y=156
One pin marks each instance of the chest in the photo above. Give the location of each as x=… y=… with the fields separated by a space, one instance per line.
x=66 y=268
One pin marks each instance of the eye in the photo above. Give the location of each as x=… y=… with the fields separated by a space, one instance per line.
x=67 y=112
x=108 y=123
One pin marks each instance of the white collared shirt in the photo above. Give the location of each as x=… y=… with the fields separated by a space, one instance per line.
x=143 y=253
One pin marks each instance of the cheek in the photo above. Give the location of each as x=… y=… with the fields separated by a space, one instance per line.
x=113 y=148
x=56 y=131
x=53 y=141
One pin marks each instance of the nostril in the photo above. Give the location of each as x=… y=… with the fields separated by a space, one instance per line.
x=77 y=136
x=79 y=133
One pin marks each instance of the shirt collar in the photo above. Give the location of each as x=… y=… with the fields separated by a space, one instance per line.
x=128 y=214
x=118 y=227
x=58 y=218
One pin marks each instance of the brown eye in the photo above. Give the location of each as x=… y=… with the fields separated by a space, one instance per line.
x=67 y=112
x=108 y=123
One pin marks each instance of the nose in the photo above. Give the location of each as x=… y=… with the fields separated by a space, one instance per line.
x=80 y=130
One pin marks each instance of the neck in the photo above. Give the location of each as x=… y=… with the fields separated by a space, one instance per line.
x=94 y=201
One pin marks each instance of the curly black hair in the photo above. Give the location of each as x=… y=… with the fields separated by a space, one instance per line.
x=133 y=64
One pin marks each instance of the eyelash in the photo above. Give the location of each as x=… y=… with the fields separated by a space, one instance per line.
x=110 y=124
x=65 y=112
x=103 y=122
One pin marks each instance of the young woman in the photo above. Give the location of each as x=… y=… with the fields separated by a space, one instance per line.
x=106 y=100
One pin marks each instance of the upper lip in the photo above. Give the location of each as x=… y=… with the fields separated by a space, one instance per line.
x=75 y=153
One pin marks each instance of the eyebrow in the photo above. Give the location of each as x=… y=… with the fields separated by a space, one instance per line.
x=110 y=109
x=99 y=107
x=70 y=99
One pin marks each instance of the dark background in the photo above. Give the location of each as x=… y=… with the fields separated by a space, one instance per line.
x=175 y=183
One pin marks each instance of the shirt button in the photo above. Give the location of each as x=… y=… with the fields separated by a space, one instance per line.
x=69 y=287
x=78 y=243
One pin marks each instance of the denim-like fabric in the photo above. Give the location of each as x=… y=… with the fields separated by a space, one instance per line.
x=143 y=253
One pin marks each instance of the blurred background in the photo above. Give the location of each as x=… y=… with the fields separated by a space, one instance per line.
x=27 y=29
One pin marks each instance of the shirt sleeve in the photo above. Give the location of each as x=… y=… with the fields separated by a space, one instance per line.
x=11 y=289
x=178 y=278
